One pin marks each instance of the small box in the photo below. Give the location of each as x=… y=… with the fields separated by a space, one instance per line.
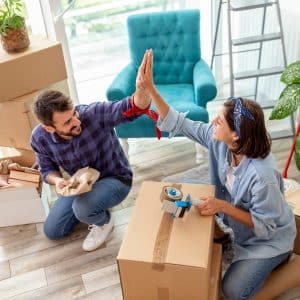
x=186 y=272
x=25 y=176
x=20 y=205
x=33 y=69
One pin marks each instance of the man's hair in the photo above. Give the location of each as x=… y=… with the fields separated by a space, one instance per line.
x=254 y=139
x=48 y=102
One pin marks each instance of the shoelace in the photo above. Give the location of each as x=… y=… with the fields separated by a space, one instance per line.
x=93 y=230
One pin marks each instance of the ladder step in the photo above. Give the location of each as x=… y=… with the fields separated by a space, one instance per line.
x=258 y=73
x=256 y=39
x=268 y=104
x=237 y=5
x=281 y=134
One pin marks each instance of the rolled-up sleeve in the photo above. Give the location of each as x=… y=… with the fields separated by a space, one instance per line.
x=266 y=208
x=177 y=123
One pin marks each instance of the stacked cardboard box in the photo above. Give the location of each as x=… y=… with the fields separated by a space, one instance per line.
x=23 y=75
x=191 y=269
x=293 y=198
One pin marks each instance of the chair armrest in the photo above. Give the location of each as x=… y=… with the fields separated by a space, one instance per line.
x=123 y=85
x=204 y=83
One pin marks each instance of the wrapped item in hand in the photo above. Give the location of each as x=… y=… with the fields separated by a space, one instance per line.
x=81 y=182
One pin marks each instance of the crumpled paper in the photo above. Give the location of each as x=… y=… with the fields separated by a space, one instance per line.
x=81 y=182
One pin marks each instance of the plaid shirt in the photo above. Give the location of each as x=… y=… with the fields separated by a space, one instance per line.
x=97 y=146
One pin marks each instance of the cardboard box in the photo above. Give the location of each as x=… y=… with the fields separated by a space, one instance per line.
x=187 y=269
x=293 y=198
x=25 y=158
x=215 y=277
x=20 y=205
x=17 y=118
x=33 y=69
x=283 y=278
x=15 y=127
x=25 y=176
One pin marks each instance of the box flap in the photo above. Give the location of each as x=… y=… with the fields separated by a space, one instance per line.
x=191 y=238
x=293 y=198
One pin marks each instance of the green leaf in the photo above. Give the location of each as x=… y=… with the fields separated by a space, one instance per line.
x=288 y=102
x=297 y=152
x=291 y=74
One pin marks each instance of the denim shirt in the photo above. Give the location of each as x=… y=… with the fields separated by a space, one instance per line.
x=257 y=189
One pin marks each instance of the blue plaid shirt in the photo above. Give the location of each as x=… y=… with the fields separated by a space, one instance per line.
x=97 y=146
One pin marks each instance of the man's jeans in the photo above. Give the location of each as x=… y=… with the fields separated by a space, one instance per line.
x=89 y=208
x=244 y=278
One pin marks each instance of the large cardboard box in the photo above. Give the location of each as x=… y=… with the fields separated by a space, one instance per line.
x=20 y=205
x=282 y=279
x=215 y=277
x=17 y=118
x=39 y=66
x=186 y=272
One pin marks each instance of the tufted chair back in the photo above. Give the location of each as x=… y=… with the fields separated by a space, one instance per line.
x=181 y=76
x=175 y=39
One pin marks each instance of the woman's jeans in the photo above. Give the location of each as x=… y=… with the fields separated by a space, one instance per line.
x=244 y=278
x=90 y=208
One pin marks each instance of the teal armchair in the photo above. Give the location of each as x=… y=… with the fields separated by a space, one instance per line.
x=182 y=77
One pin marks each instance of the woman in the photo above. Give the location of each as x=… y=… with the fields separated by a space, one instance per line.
x=249 y=188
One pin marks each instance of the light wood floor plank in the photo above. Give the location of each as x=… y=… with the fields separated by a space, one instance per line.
x=81 y=264
x=68 y=289
x=12 y=233
x=122 y=217
x=46 y=257
x=101 y=279
x=4 y=270
x=26 y=246
x=111 y=293
x=22 y=283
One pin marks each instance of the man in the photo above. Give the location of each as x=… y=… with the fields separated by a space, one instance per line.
x=75 y=137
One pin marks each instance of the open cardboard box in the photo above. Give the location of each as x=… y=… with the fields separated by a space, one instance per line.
x=187 y=270
x=23 y=157
x=20 y=205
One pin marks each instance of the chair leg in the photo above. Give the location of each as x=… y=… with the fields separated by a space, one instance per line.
x=125 y=146
x=200 y=153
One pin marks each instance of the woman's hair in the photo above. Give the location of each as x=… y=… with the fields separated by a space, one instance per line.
x=49 y=102
x=254 y=140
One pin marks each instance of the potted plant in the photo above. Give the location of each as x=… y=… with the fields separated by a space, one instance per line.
x=13 y=31
x=288 y=103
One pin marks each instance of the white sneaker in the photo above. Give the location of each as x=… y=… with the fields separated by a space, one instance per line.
x=97 y=235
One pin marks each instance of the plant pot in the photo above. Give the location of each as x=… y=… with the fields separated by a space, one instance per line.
x=15 y=40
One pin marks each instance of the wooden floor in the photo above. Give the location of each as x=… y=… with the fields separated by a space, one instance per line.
x=33 y=267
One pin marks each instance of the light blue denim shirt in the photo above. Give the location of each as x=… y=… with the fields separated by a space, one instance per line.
x=258 y=189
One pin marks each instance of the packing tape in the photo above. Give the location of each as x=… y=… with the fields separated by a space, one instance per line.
x=165 y=228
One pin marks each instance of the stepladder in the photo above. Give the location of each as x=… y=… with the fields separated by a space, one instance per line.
x=251 y=48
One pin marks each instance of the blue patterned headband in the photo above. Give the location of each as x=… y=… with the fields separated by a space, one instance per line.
x=239 y=111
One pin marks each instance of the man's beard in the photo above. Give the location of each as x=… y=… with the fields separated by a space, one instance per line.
x=70 y=133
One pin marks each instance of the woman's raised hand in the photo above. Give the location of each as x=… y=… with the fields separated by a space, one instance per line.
x=145 y=73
